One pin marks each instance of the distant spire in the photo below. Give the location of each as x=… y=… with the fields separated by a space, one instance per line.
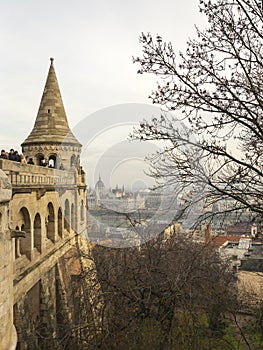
x=51 y=123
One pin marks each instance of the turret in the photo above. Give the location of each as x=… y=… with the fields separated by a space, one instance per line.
x=51 y=138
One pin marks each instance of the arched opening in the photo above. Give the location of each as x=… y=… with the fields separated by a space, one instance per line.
x=73 y=160
x=37 y=232
x=40 y=159
x=50 y=222
x=52 y=161
x=60 y=223
x=25 y=243
x=73 y=217
x=67 y=216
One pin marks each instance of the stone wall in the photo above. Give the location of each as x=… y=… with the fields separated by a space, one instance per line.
x=38 y=312
x=7 y=331
x=61 y=310
x=42 y=211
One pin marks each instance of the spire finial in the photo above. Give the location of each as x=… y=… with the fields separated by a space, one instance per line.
x=51 y=60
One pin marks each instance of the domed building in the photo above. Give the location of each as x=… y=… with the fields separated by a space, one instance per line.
x=100 y=189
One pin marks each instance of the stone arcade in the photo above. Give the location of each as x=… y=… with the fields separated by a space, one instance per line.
x=42 y=216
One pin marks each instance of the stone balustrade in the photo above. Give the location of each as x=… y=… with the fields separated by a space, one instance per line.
x=34 y=175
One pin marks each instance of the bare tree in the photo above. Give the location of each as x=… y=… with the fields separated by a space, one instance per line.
x=217 y=85
x=171 y=293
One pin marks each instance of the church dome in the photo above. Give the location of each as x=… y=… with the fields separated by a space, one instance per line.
x=99 y=185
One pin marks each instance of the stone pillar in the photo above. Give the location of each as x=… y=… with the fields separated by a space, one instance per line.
x=8 y=338
x=47 y=318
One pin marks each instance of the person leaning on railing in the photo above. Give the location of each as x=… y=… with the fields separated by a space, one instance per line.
x=30 y=161
x=23 y=159
x=3 y=154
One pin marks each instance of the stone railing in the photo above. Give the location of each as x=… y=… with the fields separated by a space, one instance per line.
x=31 y=175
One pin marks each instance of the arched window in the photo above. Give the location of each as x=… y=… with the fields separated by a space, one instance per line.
x=52 y=161
x=37 y=233
x=25 y=243
x=73 y=221
x=67 y=216
x=60 y=223
x=50 y=221
x=73 y=160
x=40 y=158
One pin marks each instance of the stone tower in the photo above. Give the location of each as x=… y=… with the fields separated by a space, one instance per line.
x=42 y=221
x=51 y=138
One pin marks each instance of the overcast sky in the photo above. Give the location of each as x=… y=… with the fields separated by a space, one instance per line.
x=92 y=43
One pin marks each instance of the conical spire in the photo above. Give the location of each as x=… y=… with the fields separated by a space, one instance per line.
x=51 y=125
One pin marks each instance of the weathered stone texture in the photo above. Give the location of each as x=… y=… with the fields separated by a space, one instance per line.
x=41 y=216
x=7 y=332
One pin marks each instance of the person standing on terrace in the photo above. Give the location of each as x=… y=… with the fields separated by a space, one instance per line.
x=3 y=154
x=12 y=155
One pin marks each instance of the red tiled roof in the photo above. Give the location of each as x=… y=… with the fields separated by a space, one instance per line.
x=218 y=241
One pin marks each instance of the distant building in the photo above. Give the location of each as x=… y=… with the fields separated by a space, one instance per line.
x=243 y=228
x=253 y=259
x=116 y=199
x=234 y=248
x=100 y=189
